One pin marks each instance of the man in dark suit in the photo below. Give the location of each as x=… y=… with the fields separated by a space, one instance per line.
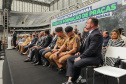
x=14 y=38
x=48 y=49
x=32 y=43
x=89 y=54
x=46 y=42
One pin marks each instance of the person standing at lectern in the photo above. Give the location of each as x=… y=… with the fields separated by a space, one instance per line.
x=14 y=38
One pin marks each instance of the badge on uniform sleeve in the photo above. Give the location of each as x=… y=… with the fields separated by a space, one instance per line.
x=76 y=40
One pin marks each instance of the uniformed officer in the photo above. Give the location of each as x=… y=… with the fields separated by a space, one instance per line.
x=71 y=46
x=60 y=41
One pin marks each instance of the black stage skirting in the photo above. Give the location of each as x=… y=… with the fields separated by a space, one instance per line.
x=16 y=71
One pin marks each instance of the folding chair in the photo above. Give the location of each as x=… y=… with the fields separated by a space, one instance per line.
x=113 y=52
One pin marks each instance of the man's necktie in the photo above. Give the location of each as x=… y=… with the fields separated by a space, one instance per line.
x=86 y=39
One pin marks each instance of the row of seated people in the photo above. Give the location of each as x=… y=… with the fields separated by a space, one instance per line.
x=66 y=48
x=66 y=45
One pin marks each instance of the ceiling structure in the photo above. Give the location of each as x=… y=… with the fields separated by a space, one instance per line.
x=7 y=3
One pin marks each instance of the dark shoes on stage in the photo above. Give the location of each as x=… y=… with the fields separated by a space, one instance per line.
x=68 y=83
x=14 y=48
x=34 y=62
x=21 y=53
x=61 y=70
x=45 y=64
x=51 y=66
x=28 y=60
x=37 y=64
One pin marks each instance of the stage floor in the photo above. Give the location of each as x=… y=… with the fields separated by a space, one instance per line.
x=26 y=73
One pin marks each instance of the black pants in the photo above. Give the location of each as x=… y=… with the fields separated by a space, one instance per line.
x=29 y=46
x=31 y=53
x=74 y=68
x=42 y=53
x=14 y=42
x=37 y=55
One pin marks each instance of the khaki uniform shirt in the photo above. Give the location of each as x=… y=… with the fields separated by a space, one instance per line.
x=61 y=40
x=72 y=42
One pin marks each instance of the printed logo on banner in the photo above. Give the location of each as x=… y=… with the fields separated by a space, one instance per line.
x=123 y=2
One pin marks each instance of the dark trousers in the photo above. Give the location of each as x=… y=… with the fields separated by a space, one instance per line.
x=25 y=48
x=42 y=54
x=74 y=68
x=37 y=55
x=14 y=42
x=31 y=53
x=31 y=45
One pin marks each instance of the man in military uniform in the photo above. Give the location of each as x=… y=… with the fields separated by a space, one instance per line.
x=60 y=41
x=70 y=47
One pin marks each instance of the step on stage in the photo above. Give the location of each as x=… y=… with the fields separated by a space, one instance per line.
x=16 y=71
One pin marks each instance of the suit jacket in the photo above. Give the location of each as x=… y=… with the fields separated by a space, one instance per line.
x=39 y=41
x=14 y=35
x=46 y=41
x=93 y=45
x=34 y=40
x=53 y=43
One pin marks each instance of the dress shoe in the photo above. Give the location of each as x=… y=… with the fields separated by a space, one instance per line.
x=27 y=60
x=37 y=64
x=45 y=64
x=68 y=83
x=51 y=66
x=61 y=70
x=22 y=53
x=34 y=62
